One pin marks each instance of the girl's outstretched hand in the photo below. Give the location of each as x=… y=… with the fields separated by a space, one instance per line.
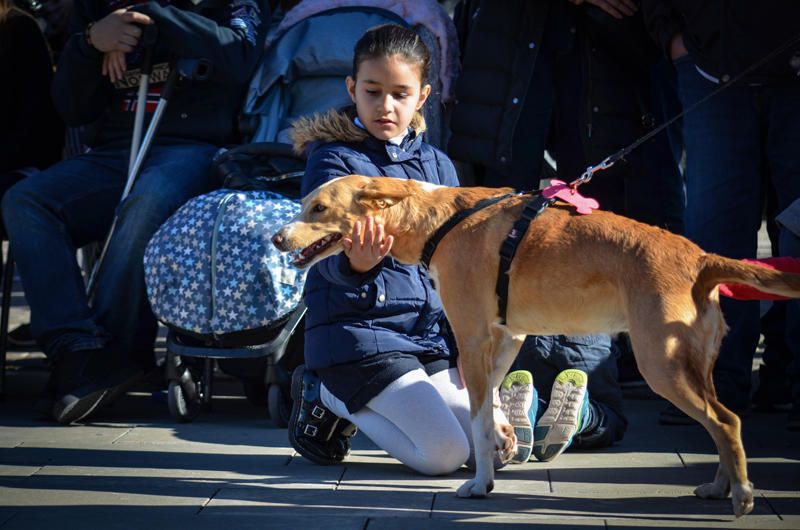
x=367 y=245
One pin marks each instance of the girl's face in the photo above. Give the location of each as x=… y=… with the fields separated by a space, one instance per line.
x=387 y=92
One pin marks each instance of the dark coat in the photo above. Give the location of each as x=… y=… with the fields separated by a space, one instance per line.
x=502 y=44
x=724 y=37
x=226 y=34
x=393 y=307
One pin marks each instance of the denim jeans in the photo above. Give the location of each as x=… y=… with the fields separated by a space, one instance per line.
x=53 y=213
x=546 y=356
x=731 y=139
x=790 y=246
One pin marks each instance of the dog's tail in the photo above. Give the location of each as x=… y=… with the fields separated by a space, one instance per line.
x=715 y=270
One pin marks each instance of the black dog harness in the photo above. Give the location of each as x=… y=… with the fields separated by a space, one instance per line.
x=533 y=208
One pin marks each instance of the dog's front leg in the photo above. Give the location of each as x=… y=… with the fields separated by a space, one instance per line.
x=483 y=436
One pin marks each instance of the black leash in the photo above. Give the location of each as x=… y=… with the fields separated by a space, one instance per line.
x=619 y=155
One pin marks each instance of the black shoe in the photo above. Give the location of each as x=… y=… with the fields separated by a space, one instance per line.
x=774 y=391
x=314 y=431
x=84 y=379
x=793 y=422
x=43 y=406
x=20 y=338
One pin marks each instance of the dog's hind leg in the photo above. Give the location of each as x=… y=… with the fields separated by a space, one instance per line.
x=680 y=371
x=485 y=359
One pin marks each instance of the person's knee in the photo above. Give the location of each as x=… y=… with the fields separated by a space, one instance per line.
x=447 y=457
x=18 y=199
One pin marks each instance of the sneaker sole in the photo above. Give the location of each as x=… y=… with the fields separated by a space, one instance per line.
x=68 y=411
x=555 y=429
x=523 y=429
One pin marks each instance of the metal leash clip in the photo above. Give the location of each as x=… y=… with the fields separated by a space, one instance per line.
x=591 y=170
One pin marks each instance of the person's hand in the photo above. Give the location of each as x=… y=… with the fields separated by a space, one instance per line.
x=118 y=31
x=367 y=245
x=676 y=47
x=615 y=8
x=114 y=65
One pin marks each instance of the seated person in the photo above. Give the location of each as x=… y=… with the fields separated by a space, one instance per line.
x=99 y=346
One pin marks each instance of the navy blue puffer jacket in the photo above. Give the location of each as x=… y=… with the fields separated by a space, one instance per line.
x=393 y=307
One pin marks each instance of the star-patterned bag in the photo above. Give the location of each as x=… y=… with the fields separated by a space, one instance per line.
x=212 y=271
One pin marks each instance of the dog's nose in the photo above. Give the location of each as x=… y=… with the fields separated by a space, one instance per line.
x=278 y=241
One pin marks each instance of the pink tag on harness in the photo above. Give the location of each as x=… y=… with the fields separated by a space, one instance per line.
x=560 y=190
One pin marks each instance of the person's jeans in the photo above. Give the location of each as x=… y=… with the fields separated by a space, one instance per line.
x=789 y=244
x=547 y=356
x=728 y=140
x=53 y=213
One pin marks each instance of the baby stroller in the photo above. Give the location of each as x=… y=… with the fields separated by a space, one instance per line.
x=302 y=72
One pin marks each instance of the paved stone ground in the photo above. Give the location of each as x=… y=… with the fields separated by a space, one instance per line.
x=134 y=467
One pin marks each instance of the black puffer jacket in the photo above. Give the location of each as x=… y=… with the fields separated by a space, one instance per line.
x=724 y=37
x=501 y=43
x=229 y=34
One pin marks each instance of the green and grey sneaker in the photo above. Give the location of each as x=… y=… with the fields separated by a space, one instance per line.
x=519 y=401
x=569 y=402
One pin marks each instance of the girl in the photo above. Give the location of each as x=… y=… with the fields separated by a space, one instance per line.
x=374 y=334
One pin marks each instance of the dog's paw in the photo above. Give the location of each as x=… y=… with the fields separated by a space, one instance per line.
x=473 y=488
x=742 y=497
x=711 y=490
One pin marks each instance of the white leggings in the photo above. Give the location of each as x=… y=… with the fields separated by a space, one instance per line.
x=421 y=420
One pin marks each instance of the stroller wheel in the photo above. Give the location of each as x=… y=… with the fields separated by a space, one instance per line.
x=182 y=406
x=279 y=404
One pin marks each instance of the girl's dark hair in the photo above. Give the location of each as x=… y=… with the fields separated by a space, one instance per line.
x=388 y=40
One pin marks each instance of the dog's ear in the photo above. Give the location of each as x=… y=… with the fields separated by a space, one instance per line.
x=381 y=192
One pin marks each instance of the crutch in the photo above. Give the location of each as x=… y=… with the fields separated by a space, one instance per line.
x=141 y=153
x=196 y=69
x=149 y=36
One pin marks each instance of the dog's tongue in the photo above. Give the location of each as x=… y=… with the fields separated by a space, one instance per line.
x=560 y=190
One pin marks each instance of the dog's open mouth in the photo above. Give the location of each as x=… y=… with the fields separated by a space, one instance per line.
x=304 y=256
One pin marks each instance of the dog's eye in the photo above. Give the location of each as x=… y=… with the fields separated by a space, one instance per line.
x=318 y=208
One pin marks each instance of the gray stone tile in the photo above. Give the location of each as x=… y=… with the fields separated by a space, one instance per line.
x=321 y=502
x=17 y=471
x=88 y=492
x=479 y=522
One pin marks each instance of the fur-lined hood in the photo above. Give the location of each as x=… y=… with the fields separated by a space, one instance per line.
x=336 y=126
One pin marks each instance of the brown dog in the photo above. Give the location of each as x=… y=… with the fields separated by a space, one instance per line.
x=574 y=275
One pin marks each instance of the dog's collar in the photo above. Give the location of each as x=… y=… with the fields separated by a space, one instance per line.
x=436 y=238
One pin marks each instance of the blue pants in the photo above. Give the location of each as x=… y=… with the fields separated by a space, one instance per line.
x=546 y=356
x=731 y=140
x=53 y=213
x=790 y=246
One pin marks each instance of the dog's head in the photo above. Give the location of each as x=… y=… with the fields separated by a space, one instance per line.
x=329 y=213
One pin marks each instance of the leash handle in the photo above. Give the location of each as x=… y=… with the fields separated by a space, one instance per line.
x=619 y=155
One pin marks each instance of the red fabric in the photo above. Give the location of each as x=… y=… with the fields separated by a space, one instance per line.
x=745 y=292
